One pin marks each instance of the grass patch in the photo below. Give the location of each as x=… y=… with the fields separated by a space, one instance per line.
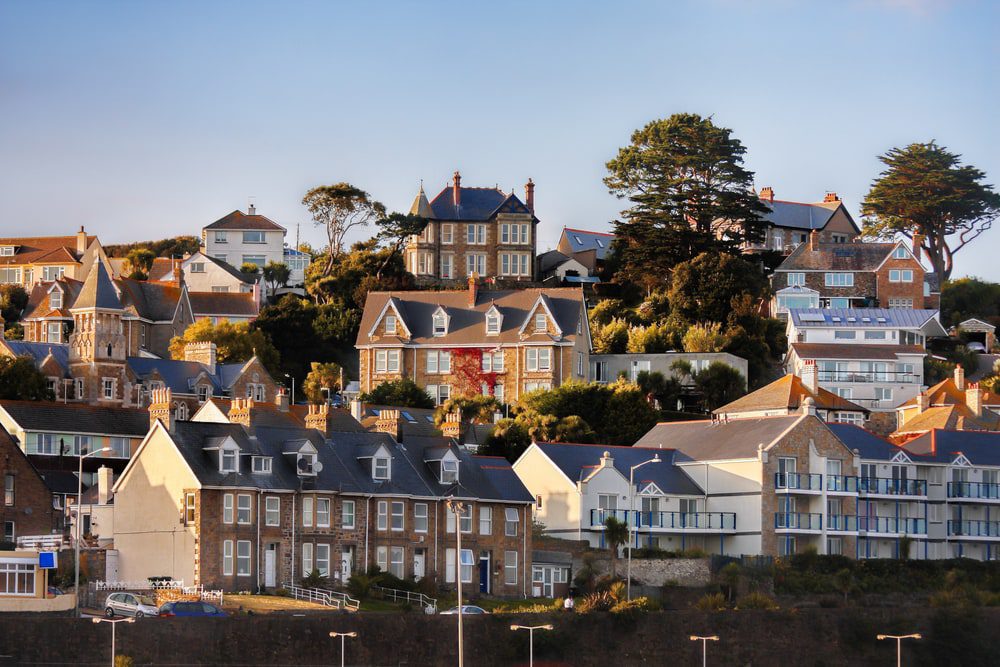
x=266 y=604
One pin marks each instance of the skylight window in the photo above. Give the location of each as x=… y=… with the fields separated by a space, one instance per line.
x=408 y=417
x=600 y=242
x=579 y=241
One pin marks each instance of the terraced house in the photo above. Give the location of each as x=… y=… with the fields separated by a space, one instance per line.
x=29 y=260
x=500 y=343
x=233 y=504
x=474 y=231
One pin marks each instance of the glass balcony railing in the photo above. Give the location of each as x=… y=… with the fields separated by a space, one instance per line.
x=798 y=520
x=842 y=483
x=892 y=525
x=669 y=520
x=798 y=481
x=885 y=377
x=974 y=528
x=892 y=487
x=974 y=490
x=842 y=522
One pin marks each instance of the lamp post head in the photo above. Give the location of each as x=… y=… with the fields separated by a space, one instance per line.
x=515 y=627
x=656 y=459
x=95 y=620
x=547 y=626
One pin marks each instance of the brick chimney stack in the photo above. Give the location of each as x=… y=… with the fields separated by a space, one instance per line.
x=810 y=376
x=473 y=289
x=974 y=399
x=830 y=197
x=281 y=400
x=81 y=241
x=178 y=273
x=456 y=190
x=318 y=418
x=389 y=421
x=918 y=242
x=452 y=426
x=767 y=194
x=814 y=240
x=923 y=402
x=161 y=408
x=202 y=352
x=529 y=195
x=960 y=377
x=241 y=412
x=105 y=480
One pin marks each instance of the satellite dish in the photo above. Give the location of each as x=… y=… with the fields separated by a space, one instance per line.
x=303 y=463
x=318 y=466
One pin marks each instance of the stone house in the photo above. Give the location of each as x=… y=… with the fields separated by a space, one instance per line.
x=853 y=275
x=790 y=223
x=499 y=343
x=237 y=505
x=474 y=231
x=588 y=248
x=787 y=395
x=29 y=260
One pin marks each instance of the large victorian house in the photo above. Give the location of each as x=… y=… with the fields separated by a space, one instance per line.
x=474 y=231
x=500 y=343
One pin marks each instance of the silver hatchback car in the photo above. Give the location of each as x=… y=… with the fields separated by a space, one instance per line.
x=130 y=604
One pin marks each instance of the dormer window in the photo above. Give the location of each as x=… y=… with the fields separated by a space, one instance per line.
x=305 y=464
x=390 y=324
x=440 y=322
x=900 y=253
x=7 y=251
x=449 y=471
x=55 y=298
x=380 y=468
x=541 y=322
x=262 y=465
x=493 y=321
x=229 y=460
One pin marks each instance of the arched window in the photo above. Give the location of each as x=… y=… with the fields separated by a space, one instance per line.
x=180 y=411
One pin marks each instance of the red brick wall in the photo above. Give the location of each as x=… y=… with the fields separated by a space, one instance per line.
x=32 y=511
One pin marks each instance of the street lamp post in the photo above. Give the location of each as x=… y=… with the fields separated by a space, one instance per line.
x=704 y=644
x=292 y=401
x=631 y=510
x=113 y=622
x=531 y=638
x=899 y=643
x=343 y=636
x=458 y=508
x=79 y=520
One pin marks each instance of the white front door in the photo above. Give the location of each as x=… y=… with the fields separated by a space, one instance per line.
x=346 y=563
x=418 y=564
x=270 y=573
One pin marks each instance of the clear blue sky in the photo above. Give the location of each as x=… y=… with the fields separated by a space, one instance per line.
x=149 y=119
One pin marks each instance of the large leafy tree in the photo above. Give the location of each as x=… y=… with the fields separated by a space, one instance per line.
x=926 y=191
x=140 y=262
x=340 y=208
x=962 y=299
x=402 y=393
x=21 y=380
x=322 y=376
x=689 y=193
x=13 y=300
x=394 y=229
x=234 y=341
x=276 y=275
x=703 y=289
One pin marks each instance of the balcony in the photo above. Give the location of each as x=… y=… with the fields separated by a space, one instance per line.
x=841 y=484
x=883 y=486
x=870 y=377
x=798 y=521
x=974 y=491
x=798 y=482
x=974 y=529
x=842 y=523
x=685 y=522
x=889 y=525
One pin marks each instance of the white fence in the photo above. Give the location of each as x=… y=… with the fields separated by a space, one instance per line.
x=172 y=585
x=42 y=542
x=429 y=604
x=325 y=597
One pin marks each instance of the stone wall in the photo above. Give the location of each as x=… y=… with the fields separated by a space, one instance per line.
x=693 y=572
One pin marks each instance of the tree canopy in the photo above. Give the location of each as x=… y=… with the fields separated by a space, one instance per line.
x=276 y=274
x=234 y=341
x=140 y=262
x=394 y=229
x=703 y=289
x=965 y=298
x=21 y=380
x=322 y=376
x=13 y=300
x=339 y=208
x=178 y=246
x=689 y=193
x=925 y=190
x=403 y=393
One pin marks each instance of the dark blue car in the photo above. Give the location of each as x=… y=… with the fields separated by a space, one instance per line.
x=191 y=609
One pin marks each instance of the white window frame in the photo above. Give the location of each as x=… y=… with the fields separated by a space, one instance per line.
x=510 y=567
x=244 y=514
x=307 y=512
x=382 y=515
x=244 y=563
x=390 y=324
x=347 y=511
x=485 y=520
x=420 y=520
x=272 y=511
x=796 y=278
x=228 y=509
x=227 y=558
x=839 y=279
x=381 y=468
x=398 y=516
x=323 y=559
x=323 y=512
x=308 y=560
x=510 y=525
x=449 y=471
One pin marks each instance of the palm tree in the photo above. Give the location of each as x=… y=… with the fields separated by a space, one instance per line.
x=616 y=533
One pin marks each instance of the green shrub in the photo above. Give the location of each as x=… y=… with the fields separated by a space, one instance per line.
x=757 y=600
x=600 y=601
x=124 y=661
x=282 y=593
x=314 y=580
x=711 y=602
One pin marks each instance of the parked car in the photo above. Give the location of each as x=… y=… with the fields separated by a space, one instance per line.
x=183 y=608
x=467 y=609
x=130 y=604
x=975 y=346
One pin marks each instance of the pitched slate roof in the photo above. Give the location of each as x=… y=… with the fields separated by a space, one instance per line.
x=550 y=260
x=799 y=215
x=946 y=392
x=847 y=351
x=501 y=476
x=467 y=326
x=63 y=482
x=239 y=220
x=98 y=290
x=980 y=447
x=837 y=257
x=222 y=304
x=415 y=421
x=862 y=318
x=39 y=351
x=715 y=440
x=474 y=204
x=787 y=393
x=34 y=249
x=156 y=301
x=953 y=417
x=39 y=299
x=179 y=376
x=267 y=414
x=578 y=462
x=869 y=445
x=78 y=418
x=581 y=240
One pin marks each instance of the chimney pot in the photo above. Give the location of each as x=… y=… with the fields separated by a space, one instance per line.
x=456 y=190
x=529 y=195
x=767 y=194
x=960 y=377
x=830 y=197
x=923 y=402
x=105 y=477
x=810 y=376
x=319 y=418
x=974 y=399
